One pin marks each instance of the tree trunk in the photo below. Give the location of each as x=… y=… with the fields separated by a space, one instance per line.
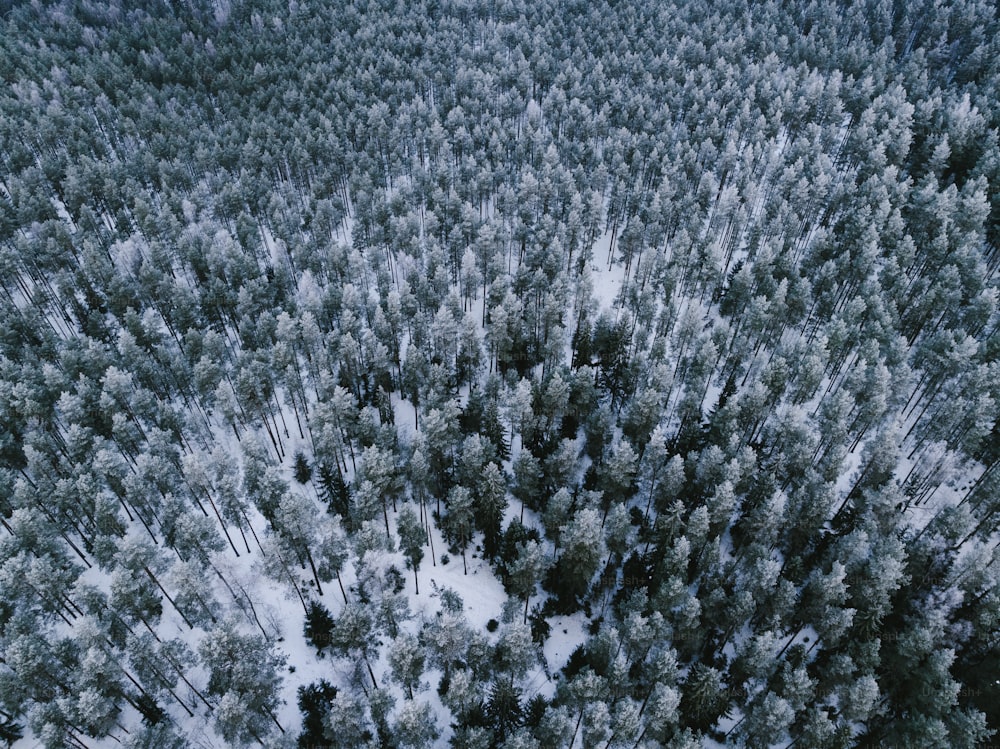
x=312 y=565
x=342 y=591
x=167 y=596
x=370 y=672
x=253 y=611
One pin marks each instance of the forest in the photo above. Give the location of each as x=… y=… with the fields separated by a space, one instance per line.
x=499 y=374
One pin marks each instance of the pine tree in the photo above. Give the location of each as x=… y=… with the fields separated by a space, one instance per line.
x=767 y=719
x=355 y=635
x=527 y=486
x=556 y=514
x=415 y=727
x=515 y=650
x=490 y=503
x=243 y=674
x=582 y=550
x=458 y=521
x=561 y=467
x=526 y=570
x=347 y=722
x=379 y=478
x=447 y=638
x=293 y=521
x=302 y=470
x=314 y=704
x=406 y=659
x=193 y=595
x=596 y=728
x=503 y=709
x=703 y=700
x=412 y=536
x=319 y=626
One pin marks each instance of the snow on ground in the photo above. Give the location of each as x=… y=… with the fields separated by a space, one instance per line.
x=568 y=633
x=849 y=470
x=480 y=590
x=282 y=615
x=607 y=281
x=302 y=666
x=404 y=417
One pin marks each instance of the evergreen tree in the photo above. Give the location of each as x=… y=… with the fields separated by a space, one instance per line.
x=415 y=727
x=355 y=635
x=302 y=470
x=503 y=709
x=582 y=550
x=407 y=662
x=526 y=570
x=458 y=521
x=347 y=722
x=314 y=704
x=319 y=626
x=412 y=536
x=704 y=699
x=243 y=675
x=290 y=239
x=490 y=502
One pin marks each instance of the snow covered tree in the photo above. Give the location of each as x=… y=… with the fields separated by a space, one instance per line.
x=406 y=659
x=556 y=514
x=582 y=549
x=766 y=719
x=617 y=530
x=355 y=635
x=528 y=475
x=379 y=476
x=516 y=651
x=446 y=638
x=192 y=593
x=243 y=675
x=526 y=570
x=314 y=704
x=347 y=722
x=412 y=536
x=318 y=628
x=136 y=590
x=415 y=726
x=490 y=502
x=458 y=521
x=562 y=465
x=661 y=713
x=618 y=472
x=804 y=238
